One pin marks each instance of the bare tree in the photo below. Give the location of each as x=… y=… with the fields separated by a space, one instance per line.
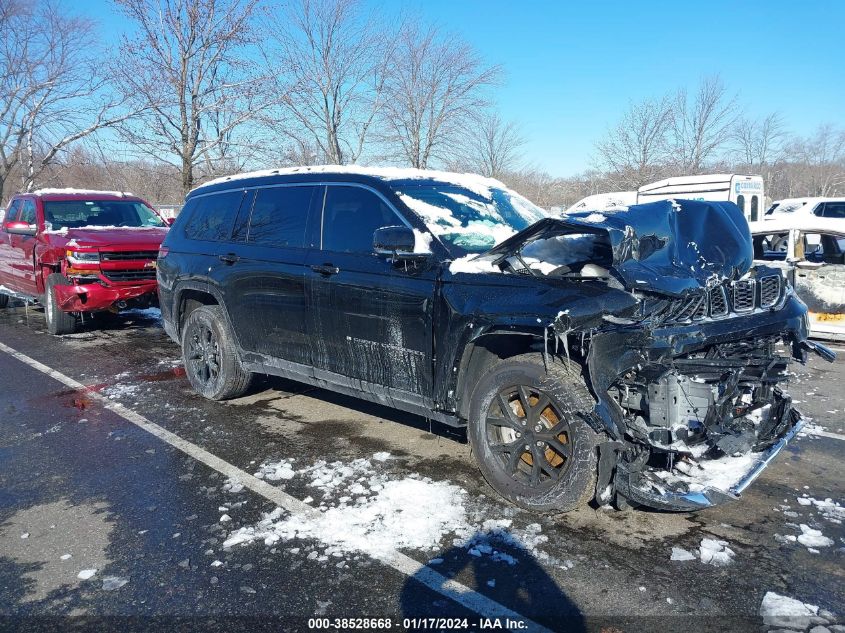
x=701 y=124
x=818 y=167
x=493 y=148
x=188 y=69
x=51 y=94
x=759 y=141
x=635 y=152
x=436 y=86
x=328 y=59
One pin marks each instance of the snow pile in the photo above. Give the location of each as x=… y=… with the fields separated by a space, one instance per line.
x=398 y=516
x=276 y=471
x=831 y=510
x=593 y=218
x=679 y=553
x=497 y=537
x=722 y=474
x=715 y=552
x=811 y=538
x=473 y=264
x=781 y=611
x=364 y=511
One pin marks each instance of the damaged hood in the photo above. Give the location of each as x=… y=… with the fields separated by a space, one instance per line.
x=668 y=246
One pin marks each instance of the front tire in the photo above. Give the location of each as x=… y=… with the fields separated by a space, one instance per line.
x=4 y=301
x=210 y=356
x=530 y=436
x=58 y=321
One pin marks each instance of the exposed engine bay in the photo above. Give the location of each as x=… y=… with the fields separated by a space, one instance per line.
x=687 y=358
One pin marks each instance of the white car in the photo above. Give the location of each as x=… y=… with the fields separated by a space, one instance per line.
x=811 y=252
x=803 y=207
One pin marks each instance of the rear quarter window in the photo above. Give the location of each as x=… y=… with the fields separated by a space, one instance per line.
x=211 y=217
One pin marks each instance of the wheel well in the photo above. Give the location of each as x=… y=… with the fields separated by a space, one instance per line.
x=190 y=300
x=483 y=353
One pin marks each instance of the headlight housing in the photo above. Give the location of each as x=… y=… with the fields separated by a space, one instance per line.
x=84 y=257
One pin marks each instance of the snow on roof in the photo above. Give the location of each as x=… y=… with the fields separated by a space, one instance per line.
x=695 y=180
x=618 y=200
x=85 y=192
x=475 y=183
x=788 y=222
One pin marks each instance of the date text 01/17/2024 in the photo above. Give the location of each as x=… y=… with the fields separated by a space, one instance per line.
x=482 y=623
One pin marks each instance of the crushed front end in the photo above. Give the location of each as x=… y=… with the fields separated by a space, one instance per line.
x=694 y=393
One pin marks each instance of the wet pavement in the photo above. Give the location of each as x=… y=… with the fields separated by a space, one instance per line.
x=84 y=488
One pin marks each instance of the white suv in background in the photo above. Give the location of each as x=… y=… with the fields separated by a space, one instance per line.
x=819 y=207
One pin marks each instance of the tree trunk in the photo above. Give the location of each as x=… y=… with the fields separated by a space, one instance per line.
x=187 y=176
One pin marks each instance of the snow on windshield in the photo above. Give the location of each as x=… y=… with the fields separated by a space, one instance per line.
x=469 y=221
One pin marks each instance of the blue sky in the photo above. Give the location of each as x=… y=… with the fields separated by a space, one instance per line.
x=571 y=68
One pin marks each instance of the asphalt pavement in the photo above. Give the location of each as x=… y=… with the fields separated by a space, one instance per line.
x=126 y=500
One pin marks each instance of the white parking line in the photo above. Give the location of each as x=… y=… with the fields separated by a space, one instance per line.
x=406 y=565
x=820 y=433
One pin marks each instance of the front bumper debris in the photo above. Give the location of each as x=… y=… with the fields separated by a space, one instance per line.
x=685 y=493
x=95 y=296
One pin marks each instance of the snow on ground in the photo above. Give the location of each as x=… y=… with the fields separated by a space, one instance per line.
x=829 y=509
x=810 y=537
x=120 y=390
x=365 y=510
x=715 y=552
x=782 y=611
x=679 y=553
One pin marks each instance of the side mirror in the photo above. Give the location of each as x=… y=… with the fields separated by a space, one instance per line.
x=21 y=228
x=169 y=221
x=397 y=242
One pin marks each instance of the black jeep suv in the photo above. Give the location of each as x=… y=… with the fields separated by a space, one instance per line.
x=634 y=356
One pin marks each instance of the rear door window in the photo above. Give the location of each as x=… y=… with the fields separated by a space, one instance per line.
x=279 y=216
x=834 y=210
x=350 y=217
x=213 y=216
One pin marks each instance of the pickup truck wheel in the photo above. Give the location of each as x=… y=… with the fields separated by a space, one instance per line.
x=210 y=357
x=529 y=435
x=58 y=321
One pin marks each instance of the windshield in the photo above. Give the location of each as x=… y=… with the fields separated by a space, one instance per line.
x=74 y=214
x=467 y=221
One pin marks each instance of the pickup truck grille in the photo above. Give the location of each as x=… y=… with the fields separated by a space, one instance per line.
x=130 y=275
x=113 y=256
x=739 y=297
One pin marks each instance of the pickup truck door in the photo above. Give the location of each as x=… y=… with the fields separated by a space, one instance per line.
x=11 y=215
x=19 y=260
x=370 y=319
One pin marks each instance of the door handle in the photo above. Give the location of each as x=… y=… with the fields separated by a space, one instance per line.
x=229 y=258
x=325 y=269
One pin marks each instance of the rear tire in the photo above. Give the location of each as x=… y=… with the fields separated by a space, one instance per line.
x=210 y=356
x=4 y=301
x=541 y=457
x=58 y=322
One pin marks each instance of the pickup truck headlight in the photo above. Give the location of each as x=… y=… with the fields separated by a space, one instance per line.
x=88 y=257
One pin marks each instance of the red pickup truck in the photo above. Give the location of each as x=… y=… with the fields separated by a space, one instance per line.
x=79 y=252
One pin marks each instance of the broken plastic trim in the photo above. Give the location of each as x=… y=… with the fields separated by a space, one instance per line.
x=698 y=499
